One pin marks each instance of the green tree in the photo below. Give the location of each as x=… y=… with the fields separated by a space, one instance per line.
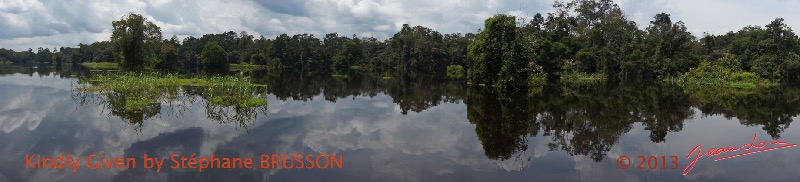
x=215 y=59
x=58 y=59
x=44 y=56
x=347 y=56
x=608 y=41
x=169 y=58
x=670 y=46
x=770 y=52
x=132 y=36
x=416 y=50
x=554 y=45
x=790 y=72
x=495 y=57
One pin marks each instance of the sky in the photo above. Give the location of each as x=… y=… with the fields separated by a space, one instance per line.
x=54 y=23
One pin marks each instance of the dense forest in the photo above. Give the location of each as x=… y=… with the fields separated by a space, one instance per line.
x=583 y=37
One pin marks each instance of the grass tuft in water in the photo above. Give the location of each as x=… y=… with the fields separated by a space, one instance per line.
x=247 y=67
x=100 y=65
x=142 y=89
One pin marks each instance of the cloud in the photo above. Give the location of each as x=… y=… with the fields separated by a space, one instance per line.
x=51 y=23
x=296 y=8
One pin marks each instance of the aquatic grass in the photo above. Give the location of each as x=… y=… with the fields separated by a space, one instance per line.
x=247 y=67
x=100 y=65
x=387 y=76
x=537 y=80
x=455 y=71
x=580 y=78
x=253 y=102
x=742 y=85
x=234 y=91
x=142 y=89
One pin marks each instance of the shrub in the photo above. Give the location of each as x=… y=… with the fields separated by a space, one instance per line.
x=215 y=59
x=455 y=71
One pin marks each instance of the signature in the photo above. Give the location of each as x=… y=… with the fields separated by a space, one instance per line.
x=712 y=152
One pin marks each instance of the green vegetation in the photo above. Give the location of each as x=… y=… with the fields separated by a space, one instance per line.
x=387 y=76
x=127 y=80
x=725 y=72
x=142 y=89
x=581 y=40
x=247 y=67
x=495 y=57
x=136 y=97
x=770 y=52
x=215 y=59
x=4 y=62
x=233 y=91
x=137 y=40
x=100 y=65
x=537 y=81
x=582 y=78
x=455 y=71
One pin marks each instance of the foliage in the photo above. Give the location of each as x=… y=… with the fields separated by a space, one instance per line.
x=416 y=50
x=771 y=52
x=58 y=59
x=579 y=37
x=169 y=56
x=215 y=59
x=147 y=88
x=455 y=71
x=136 y=97
x=670 y=48
x=247 y=67
x=724 y=72
x=136 y=40
x=44 y=56
x=496 y=56
x=100 y=65
x=582 y=78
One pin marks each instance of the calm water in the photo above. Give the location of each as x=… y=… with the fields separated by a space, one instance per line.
x=401 y=130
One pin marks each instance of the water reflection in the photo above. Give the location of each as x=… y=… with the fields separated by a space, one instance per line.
x=222 y=103
x=581 y=120
x=395 y=129
x=772 y=108
x=415 y=94
x=502 y=123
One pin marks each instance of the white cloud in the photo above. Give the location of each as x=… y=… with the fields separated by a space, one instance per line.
x=48 y=23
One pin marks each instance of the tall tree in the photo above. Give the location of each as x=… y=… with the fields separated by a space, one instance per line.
x=132 y=35
x=495 y=56
x=416 y=50
x=670 y=47
x=44 y=56
x=555 y=45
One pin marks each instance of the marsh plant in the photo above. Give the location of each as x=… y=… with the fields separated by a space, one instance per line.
x=136 y=97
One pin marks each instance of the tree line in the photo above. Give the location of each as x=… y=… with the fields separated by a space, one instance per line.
x=579 y=36
x=593 y=36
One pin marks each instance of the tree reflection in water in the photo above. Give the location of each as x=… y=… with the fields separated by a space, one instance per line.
x=584 y=119
x=772 y=108
x=581 y=120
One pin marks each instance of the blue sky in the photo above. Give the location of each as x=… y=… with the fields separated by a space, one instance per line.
x=55 y=23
